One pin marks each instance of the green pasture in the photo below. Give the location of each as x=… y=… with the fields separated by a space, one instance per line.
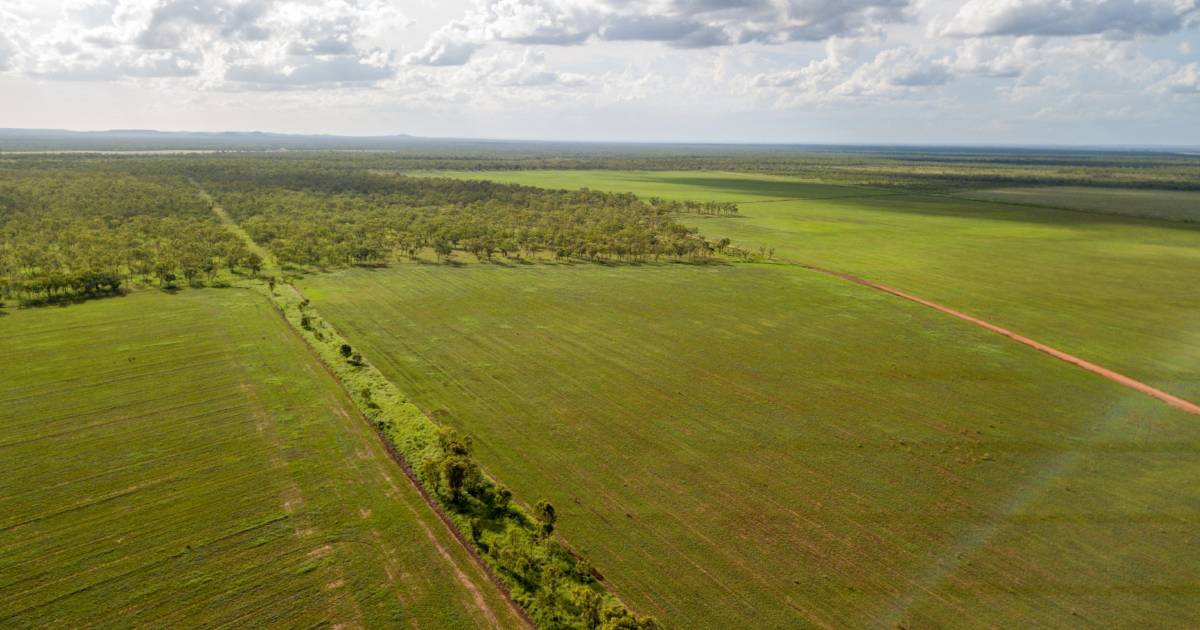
x=682 y=185
x=761 y=446
x=183 y=461
x=1119 y=291
x=1172 y=205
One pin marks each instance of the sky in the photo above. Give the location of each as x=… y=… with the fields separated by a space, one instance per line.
x=1083 y=72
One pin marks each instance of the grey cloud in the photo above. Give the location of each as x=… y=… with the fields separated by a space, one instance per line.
x=551 y=37
x=678 y=32
x=815 y=20
x=918 y=77
x=242 y=21
x=678 y=23
x=654 y=28
x=8 y=52
x=705 y=37
x=170 y=20
x=1111 y=18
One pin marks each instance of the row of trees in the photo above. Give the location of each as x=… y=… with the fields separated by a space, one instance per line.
x=68 y=234
x=558 y=588
x=714 y=208
x=555 y=586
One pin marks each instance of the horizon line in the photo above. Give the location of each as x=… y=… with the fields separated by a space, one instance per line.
x=516 y=140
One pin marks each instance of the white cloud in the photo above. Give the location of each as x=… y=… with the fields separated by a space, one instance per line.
x=221 y=44
x=531 y=71
x=839 y=76
x=992 y=59
x=447 y=47
x=12 y=40
x=677 y=23
x=1186 y=80
x=1110 y=18
x=579 y=65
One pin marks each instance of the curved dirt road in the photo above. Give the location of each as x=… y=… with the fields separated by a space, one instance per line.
x=1174 y=401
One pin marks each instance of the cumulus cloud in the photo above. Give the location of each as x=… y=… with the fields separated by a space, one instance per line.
x=1040 y=58
x=1186 y=80
x=306 y=71
x=10 y=40
x=901 y=71
x=677 y=23
x=1110 y=18
x=992 y=59
x=531 y=71
x=902 y=67
x=173 y=23
x=263 y=44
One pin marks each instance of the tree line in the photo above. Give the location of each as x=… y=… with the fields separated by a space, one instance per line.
x=558 y=588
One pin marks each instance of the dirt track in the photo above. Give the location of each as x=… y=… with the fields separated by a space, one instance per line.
x=1117 y=377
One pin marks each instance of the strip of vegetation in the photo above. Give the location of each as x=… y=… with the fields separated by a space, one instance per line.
x=557 y=587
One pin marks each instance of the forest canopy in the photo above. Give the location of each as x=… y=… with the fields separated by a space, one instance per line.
x=74 y=228
x=67 y=234
x=326 y=220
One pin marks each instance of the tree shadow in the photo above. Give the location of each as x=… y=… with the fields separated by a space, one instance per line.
x=65 y=301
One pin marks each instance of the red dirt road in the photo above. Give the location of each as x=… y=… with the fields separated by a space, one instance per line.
x=1117 y=377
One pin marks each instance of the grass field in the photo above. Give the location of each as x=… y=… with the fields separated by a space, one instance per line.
x=1118 y=291
x=1173 y=205
x=762 y=446
x=182 y=460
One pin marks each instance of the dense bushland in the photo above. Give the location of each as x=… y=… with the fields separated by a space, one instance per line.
x=73 y=228
x=320 y=217
x=69 y=234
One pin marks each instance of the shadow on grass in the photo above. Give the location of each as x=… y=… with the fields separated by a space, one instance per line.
x=765 y=187
x=65 y=301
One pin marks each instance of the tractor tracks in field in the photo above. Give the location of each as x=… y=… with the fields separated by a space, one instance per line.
x=270 y=267
x=1112 y=375
x=489 y=574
